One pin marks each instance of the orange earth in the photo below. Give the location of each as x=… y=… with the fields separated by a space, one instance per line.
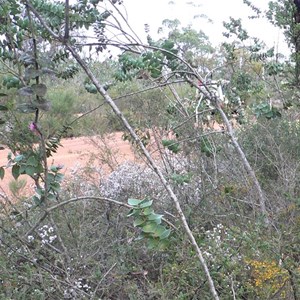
x=75 y=153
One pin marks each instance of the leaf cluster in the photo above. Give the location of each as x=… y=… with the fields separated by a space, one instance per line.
x=149 y=222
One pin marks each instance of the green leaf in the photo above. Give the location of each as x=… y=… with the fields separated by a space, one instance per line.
x=155 y=217
x=91 y=88
x=39 y=168
x=39 y=89
x=180 y=179
x=153 y=243
x=11 y=82
x=54 y=169
x=25 y=91
x=139 y=221
x=146 y=203
x=165 y=234
x=59 y=177
x=2 y=173
x=42 y=104
x=159 y=230
x=133 y=212
x=134 y=202
x=22 y=169
x=3 y=108
x=30 y=170
x=15 y=171
x=39 y=191
x=51 y=197
x=149 y=227
x=36 y=200
x=18 y=158
x=32 y=161
x=55 y=186
x=26 y=108
x=50 y=178
x=148 y=211
x=141 y=236
x=31 y=73
x=163 y=244
x=172 y=145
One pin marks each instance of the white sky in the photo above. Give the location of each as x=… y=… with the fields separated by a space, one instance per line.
x=153 y=12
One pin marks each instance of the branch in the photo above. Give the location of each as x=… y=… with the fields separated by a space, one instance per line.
x=152 y=163
x=247 y=166
x=163 y=84
x=100 y=281
x=72 y=200
x=67 y=21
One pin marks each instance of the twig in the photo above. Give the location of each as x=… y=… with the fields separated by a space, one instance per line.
x=54 y=207
x=125 y=96
x=232 y=289
x=103 y=277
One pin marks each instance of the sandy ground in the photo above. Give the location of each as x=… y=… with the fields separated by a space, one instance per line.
x=76 y=153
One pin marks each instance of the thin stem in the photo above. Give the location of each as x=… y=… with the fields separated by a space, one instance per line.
x=67 y=20
x=249 y=169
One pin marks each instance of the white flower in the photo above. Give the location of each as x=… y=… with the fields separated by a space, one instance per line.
x=30 y=238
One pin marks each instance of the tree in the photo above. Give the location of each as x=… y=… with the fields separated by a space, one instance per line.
x=285 y=15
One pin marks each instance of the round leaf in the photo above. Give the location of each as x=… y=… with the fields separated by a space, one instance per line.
x=153 y=243
x=25 y=91
x=145 y=203
x=39 y=89
x=43 y=104
x=32 y=161
x=147 y=211
x=18 y=158
x=165 y=234
x=159 y=230
x=30 y=170
x=138 y=222
x=26 y=108
x=134 y=202
x=31 y=73
x=133 y=212
x=150 y=227
x=155 y=217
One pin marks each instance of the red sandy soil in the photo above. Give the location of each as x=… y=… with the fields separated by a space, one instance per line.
x=76 y=153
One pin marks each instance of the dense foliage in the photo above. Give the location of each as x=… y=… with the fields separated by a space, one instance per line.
x=211 y=209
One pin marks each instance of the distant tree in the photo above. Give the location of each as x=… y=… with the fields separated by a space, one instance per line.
x=285 y=14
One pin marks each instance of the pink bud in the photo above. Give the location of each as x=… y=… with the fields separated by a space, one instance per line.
x=32 y=126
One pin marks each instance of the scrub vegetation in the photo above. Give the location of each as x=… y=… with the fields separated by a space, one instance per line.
x=211 y=207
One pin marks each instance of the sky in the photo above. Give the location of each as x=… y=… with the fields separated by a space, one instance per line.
x=153 y=12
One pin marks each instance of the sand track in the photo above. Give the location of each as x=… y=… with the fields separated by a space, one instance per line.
x=76 y=153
